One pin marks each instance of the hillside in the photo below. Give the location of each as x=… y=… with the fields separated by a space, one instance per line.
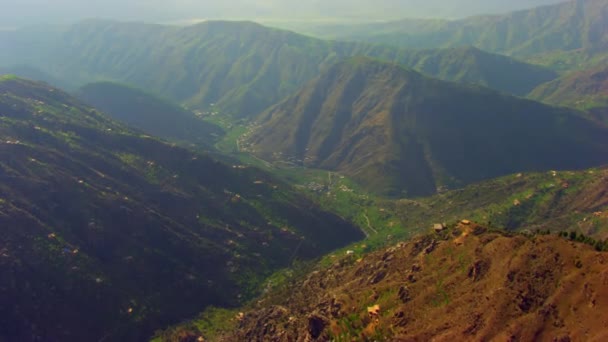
x=242 y=67
x=465 y=283
x=586 y=90
x=553 y=201
x=570 y=27
x=398 y=132
x=149 y=112
x=108 y=234
x=34 y=74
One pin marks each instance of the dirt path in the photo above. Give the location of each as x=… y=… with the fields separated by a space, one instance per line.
x=369 y=224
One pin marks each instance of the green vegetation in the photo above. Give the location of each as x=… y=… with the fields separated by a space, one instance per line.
x=213 y=321
x=139 y=232
x=268 y=65
x=599 y=245
x=561 y=36
x=399 y=133
x=150 y=113
x=298 y=141
x=586 y=90
x=4 y=78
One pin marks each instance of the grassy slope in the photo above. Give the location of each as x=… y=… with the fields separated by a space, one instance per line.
x=127 y=231
x=523 y=201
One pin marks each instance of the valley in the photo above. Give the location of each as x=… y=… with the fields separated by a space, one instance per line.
x=366 y=180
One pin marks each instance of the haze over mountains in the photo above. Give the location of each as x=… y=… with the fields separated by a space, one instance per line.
x=241 y=67
x=30 y=12
x=575 y=26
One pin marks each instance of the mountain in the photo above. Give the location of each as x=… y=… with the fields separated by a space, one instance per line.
x=471 y=65
x=108 y=234
x=400 y=133
x=241 y=67
x=565 y=29
x=463 y=284
x=149 y=112
x=587 y=90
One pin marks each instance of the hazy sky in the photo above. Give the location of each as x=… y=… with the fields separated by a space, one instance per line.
x=26 y=12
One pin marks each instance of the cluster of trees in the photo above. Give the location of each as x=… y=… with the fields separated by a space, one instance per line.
x=599 y=245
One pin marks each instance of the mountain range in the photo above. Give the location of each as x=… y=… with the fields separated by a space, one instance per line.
x=561 y=35
x=401 y=133
x=241 y=67
x=104 y=222
x=400 y=183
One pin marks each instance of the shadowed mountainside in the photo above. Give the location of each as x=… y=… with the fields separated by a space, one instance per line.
x=99 y=221
x=399 y=132
x=149 y=112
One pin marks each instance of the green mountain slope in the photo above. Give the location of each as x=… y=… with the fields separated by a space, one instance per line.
x=395 y=130
x=586 y=90
x=30 y=73
x=149 y=113
x=107 y=234
x=568 y=27
x=245 y=67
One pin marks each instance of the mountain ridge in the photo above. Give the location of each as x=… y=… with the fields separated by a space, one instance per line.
x=464 y=282
x=101 y=221
x=571 y=29
x=244 y=67
x=369 y=118
x=586 y=90
x=150 y=113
